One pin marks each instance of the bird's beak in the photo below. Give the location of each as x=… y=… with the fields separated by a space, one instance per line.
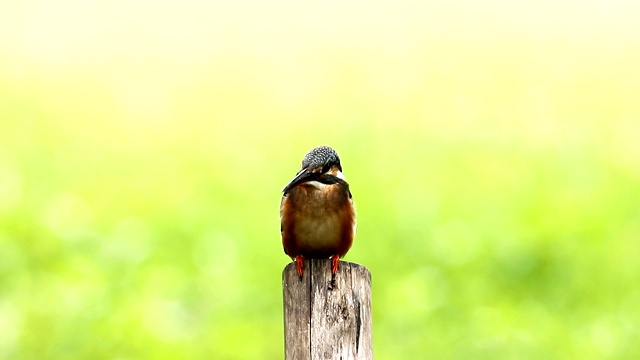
x=302 y=176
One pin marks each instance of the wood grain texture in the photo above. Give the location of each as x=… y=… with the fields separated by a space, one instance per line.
x=325 y=318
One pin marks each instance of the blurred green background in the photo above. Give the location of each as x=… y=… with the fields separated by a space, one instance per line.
x=492 y=149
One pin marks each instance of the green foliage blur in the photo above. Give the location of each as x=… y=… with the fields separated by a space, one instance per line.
x=491 y=147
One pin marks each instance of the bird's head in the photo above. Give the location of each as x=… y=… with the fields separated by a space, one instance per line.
x=321 y=164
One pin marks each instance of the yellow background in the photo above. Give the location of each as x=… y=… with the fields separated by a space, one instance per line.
x=492 y=151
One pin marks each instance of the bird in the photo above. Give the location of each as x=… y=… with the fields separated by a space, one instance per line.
x=317 y=213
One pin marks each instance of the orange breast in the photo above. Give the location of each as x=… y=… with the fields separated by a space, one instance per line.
x=317 y=222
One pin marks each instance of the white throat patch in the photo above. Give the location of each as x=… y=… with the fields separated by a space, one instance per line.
x=316 y=184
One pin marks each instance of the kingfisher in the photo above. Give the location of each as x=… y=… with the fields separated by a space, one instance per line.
x=317 y=214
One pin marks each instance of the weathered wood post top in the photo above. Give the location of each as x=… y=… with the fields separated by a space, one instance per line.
x=325 y=316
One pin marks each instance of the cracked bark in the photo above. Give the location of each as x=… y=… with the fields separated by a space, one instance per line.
x=327 y=317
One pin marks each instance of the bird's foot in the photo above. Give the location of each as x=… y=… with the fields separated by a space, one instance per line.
x=335 y=263
x=299 y=265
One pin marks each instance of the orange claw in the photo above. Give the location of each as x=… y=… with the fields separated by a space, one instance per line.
x=335 y=262
x=299 y=265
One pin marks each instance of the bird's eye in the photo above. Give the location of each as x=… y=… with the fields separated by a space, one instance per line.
x=325 y=168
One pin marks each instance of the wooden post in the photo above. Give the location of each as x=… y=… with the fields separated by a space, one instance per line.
x=327 y=318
